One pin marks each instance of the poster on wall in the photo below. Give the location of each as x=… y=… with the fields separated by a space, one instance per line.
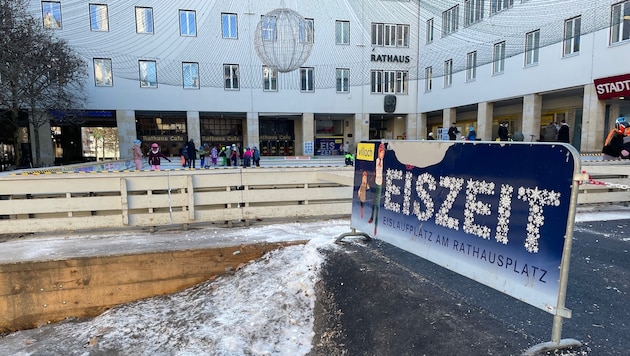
x=494 y=212
x=328 y=146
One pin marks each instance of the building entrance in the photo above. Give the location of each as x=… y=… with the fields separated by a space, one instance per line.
x=167 y=129
x=277 y=135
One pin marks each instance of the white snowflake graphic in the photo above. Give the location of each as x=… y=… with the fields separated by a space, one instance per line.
x=537 y=199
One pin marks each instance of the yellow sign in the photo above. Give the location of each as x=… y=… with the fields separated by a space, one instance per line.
x=365 y=151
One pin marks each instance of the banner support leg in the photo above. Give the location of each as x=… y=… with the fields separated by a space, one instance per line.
x=353 y=232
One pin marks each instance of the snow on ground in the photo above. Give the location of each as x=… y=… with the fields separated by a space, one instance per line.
x=265 y=308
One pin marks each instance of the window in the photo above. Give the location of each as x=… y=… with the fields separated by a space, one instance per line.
x=307 y=28
x=144 y=20
x=51 y=13
x=389 y=81
x=390 y=35
x=500 y=5
x=471 y=66
x=343 y=80
x=99 y=18
x=429 y=30
x=187 y=24
x=231 y=74
x=450 y=20
x=190 y=75
x=473 y=11
x=402 y=35
x=268 y=28
x=532 y=44
x=229 y=25
x=376 y=81
x=377 y=34
x=306 y=79
x=270 y=78
x=402 y=78
x=148 y=74
x=448 y=73
x=342 y=32
x=428 y=79
x=571 y=36
x=498 y=58
x=103 y=72
x=620 y=22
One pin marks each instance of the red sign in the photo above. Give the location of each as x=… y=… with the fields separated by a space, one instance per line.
x=613 y=87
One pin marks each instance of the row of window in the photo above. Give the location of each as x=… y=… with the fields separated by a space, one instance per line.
x=474 y=12
x=619 y=31
x=383 y=81
x=532 y=47
x=383 y=34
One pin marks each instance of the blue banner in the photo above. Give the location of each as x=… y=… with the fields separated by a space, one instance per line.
x=494 y=212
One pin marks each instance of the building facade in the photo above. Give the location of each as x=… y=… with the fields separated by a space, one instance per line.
x=378 y=69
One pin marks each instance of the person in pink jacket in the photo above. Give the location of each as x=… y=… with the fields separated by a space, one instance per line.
x=137 y=154
x=154 y=157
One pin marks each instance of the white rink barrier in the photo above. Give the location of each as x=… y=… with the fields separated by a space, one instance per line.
x=109 y=200
x=57 y=201
x=609 y=182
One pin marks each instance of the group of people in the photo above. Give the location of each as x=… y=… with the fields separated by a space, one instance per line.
x=556 y=132
x=208 y=156
x=617 y=143
x=453 y=133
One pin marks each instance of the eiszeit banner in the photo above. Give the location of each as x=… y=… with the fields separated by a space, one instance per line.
x=494 y=212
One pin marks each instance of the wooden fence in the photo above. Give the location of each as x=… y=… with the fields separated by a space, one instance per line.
x=608 y=183
x=88 y=201
x=109 y=200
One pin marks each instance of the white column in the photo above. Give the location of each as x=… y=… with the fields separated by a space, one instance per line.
x=485 y=113
x=593 y=119
x=448 y=117
x=252 y=137
x=126 y=124
x=46 y=151
x=422 y=127
x=193 y=128
x=532 y=109
x=361 y=127
x=308 y=132
x=415 y=129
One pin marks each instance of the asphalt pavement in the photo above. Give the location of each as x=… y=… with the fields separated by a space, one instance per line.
x=376 y=299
